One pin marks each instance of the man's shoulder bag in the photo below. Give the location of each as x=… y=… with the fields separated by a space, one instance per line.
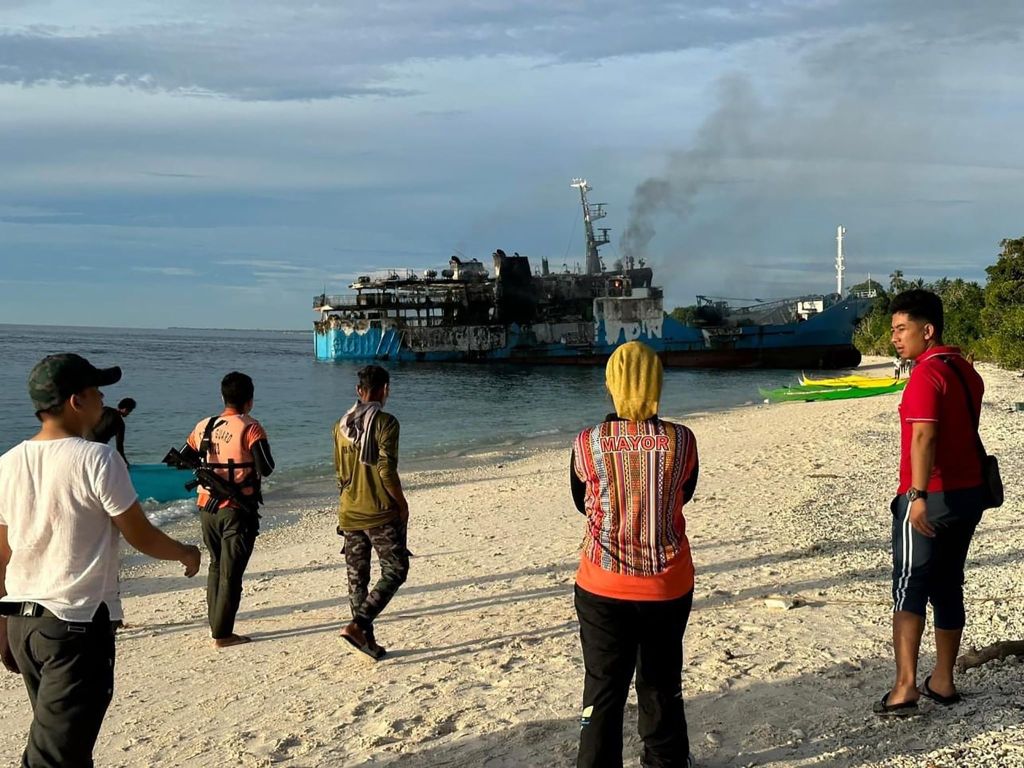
x=991 y=482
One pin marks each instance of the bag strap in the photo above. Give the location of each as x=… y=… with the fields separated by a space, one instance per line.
x=975 y=417
x=204 y=444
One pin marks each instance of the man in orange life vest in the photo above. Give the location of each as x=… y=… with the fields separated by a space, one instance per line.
x=235 y=446
x=631 y=476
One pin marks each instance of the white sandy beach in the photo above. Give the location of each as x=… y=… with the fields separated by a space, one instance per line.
x=484 y=665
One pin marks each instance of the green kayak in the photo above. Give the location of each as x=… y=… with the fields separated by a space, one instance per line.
x=812 y=393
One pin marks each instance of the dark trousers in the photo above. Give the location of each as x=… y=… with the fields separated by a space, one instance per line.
x=618 y=638
x=69 y=673
x=229 y=534
x=389 y=542
x=928 y=569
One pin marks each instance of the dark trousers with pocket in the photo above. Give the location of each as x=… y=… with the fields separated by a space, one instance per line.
x=620 y=637
x=229 y=535
x=68 y=670
x=931 y=569
x=389 y=542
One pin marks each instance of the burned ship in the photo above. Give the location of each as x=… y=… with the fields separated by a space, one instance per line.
x=576 y=317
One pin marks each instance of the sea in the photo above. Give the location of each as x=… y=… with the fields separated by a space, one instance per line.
x=445 y=410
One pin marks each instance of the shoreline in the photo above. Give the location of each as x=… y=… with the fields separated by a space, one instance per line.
x=296 y=479
x=484 y=667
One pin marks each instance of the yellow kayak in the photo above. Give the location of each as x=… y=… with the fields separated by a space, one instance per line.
x=860 y=382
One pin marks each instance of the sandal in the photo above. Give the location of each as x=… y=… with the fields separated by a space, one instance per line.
x=904 y=709
x=938 y=698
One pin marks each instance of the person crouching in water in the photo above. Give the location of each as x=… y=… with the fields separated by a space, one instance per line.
x=373 y=514
x=235 y=446
x=631 y=476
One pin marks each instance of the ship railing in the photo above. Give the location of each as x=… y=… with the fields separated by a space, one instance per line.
x=355 y=301
x=389 y=300
x=336 y=301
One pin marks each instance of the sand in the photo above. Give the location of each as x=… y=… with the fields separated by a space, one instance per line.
x=485 y=667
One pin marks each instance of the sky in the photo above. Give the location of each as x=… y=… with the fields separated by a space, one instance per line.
x=218 y=164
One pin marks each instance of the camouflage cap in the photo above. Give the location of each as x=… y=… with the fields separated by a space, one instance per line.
x=55 y=378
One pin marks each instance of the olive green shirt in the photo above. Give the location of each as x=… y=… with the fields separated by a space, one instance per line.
x=364 y=501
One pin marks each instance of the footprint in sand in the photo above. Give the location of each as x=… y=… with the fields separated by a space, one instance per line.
x=291 y=746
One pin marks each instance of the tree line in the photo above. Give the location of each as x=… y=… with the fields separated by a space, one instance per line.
x=985 y=321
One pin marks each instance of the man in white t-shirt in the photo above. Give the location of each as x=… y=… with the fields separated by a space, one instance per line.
x=64 y=502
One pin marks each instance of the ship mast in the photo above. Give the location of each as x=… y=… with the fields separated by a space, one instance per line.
x=592 y=213
x=840 y=261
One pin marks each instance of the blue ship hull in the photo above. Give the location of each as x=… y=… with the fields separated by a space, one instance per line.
x=822 y=341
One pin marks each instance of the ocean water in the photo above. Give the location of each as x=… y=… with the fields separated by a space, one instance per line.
x=443 y=409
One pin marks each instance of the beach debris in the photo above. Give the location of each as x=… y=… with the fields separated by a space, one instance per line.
x=994 y=652
x=713 y=739
x=780 y=602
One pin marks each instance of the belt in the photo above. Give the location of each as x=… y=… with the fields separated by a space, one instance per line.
x=30 y=610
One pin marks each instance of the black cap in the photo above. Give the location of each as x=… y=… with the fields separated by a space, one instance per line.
x=57 y=377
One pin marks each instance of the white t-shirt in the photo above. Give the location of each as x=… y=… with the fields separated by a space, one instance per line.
x=57 y=499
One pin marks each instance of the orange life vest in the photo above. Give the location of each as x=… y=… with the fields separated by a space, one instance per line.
x=225 y=452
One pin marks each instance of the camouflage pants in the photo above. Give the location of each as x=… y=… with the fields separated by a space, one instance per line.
x=388 y=541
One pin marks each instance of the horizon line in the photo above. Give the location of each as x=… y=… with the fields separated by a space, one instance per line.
x=151 y=328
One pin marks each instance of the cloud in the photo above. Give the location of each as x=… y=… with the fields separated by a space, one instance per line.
x=306 y=51
x=897 y=120
x=279 y=273
x=163 y=174
x=167 y=271
x=16 y=213
x=284 y=266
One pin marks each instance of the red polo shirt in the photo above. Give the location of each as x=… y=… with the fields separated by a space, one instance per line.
x=934 y=393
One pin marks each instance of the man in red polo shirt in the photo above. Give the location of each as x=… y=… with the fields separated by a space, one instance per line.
x=939 y=501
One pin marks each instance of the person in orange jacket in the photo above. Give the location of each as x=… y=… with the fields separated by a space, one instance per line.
x=631 y=476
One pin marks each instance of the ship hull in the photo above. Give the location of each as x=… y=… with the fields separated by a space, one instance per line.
x=822 y=342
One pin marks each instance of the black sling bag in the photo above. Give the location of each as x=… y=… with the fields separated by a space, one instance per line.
x=991 y=482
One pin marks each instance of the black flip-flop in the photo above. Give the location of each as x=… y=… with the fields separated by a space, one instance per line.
x=884 y=709
x=938 y=698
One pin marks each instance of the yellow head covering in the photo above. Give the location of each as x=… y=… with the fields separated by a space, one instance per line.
x=633 y=377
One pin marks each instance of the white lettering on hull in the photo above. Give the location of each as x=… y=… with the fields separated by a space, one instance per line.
x=628 y=319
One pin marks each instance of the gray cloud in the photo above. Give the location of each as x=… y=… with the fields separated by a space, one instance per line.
x=15 y=213
x=167 y=175
x=305 y=51
x=167 y=271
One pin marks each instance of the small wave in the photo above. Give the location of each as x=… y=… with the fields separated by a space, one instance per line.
x=166 y=513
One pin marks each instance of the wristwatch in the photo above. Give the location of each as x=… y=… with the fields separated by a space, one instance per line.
x=913 y=495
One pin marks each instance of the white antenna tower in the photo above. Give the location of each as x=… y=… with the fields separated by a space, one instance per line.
x=840 y=261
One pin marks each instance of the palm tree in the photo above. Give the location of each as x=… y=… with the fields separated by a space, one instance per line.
x=896 y=282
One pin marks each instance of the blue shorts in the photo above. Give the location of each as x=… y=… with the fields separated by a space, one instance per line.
x=932 y=569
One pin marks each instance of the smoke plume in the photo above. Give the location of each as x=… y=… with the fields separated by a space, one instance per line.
x=721 y=140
